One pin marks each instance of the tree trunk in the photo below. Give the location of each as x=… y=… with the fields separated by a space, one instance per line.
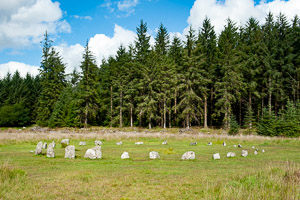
x=165 y=114
x=270 y=96
x=150 y=124
x=250 y=109
x=240 y=111
x=141 y=113
x=211 y=105
x=205 y=111
x=170 y=120
x=121 y=102
x=131 y=117
x=187 y=121
x=111 y=106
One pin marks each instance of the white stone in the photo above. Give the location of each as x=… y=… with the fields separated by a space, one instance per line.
x=125 y=155
x=53 y=144
x=216 y=156
x=93 y=153
x=240 y=146
x=82 y=143
x=45 y=145
x=139 y=143
x=119 y=143
x=65 y=141
x=154 y=155
x=70 y=152
x=255 y=153
x=189 y=155
x=50 y=151
x=253 y=147
x=31 y=151
x=244 y=153
x=209 y=144
x=164 y=143
x=98 y=142
x=224 y=144
x=39 y=148
x=230 y=155
x=263 y=151
x=234 y=145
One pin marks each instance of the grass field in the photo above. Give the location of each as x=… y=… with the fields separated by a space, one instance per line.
x=274 y=174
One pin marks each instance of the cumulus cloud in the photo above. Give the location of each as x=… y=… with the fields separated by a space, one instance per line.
x=23 y=68
x=104 y=46
x=239 y=11
x=23 y=22
x=124 y=7
x=71 y=56
x=82 y=17
x=101 y=45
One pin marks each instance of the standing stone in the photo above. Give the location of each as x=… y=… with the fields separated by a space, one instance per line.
x=50 y=151
x=244 y=153
x=209 y=144
x=230 y=154
x=93 y=153
x=70 y=152
x=125 y=155
x=154 y=155
x=253 y=147
x=45 y=145
x=39 y=148
x=65 y=142
x=119 y=143
x=53 y=144
x=189 y=155
x=224 y=144
x=255 y=153
x=139 y=143
x=263 y=151
x=234 y=145
x=216 y=156
x=98 y=143
x=165 y=142
x=82 y=143
x=240 y=146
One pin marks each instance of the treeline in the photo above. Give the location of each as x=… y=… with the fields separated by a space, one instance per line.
x=245 y=77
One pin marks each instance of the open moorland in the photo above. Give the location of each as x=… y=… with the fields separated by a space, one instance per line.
x=274 y=174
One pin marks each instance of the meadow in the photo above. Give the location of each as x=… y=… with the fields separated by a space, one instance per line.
x=274 y=174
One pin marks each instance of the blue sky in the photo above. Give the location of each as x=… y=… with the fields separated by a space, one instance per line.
x=108 y=23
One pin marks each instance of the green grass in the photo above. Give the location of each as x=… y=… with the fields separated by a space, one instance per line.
x=272 y=175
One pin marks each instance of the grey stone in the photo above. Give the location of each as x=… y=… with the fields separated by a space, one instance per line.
x=98 y=143
x=65 y=141
x=53 y=144
x=154 y=155
x=82 y=143
x=224 y=144
x=119 y=143
x=125 y=155
x=240 y=146
x=50 y=151
x=253 y=147
x=216 y=156
x=244 y=153
x=70 y=152
x=139 y=143
x=39 y=148
x=263 y=151
x=234 y=145
x=193 y=143
x=255 y=153
x=45 y=145
x=209 y=144
x=165 y=143
x=189 y=155
x=94 y=153
x=230 y=155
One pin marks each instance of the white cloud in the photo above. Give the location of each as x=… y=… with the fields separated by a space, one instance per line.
x=238 y=10
x=104 y=46
x=23 y=68
x=127 y=5
x=71 y=56
x=23 y=22
x=82 y=17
